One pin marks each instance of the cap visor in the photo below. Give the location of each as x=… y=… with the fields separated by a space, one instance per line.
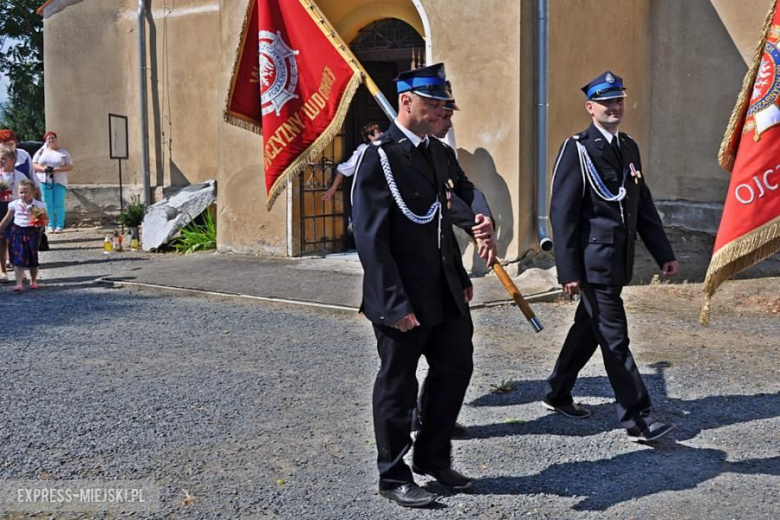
x=442 y=95
x=609 y=95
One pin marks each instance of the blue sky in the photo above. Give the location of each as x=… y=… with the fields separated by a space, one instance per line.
x=4 y=79
x=3 y=88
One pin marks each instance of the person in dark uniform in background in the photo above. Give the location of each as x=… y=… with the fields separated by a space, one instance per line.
x=470 y=212
x=415 y=289
x=599 y=203
x=474 y=217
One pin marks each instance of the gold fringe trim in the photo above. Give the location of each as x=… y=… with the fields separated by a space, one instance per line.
x=234 y=118
x=738 y=255
x=315 y=149
x=243 y=122
x=728 y=153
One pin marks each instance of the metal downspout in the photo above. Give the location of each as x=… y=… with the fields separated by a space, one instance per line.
x=542 y=109
x=143 y=102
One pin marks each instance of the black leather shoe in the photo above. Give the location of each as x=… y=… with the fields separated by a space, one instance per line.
x=654 y=431
x=569 y=410
x=460 y=431
x=446 y=477
x=409 y=495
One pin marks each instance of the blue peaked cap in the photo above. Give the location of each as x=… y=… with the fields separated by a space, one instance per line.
x=430 y=82
x=450 y=105
x=605 y=86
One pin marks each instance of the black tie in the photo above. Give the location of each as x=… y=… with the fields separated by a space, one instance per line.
x=426 y=153
x=616 y=149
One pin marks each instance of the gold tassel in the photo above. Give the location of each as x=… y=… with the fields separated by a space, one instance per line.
x=704 y=316
x=728 y=153
x=315 y=149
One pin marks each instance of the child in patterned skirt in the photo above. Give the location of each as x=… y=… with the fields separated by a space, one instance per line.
x=9 y=190
x=26 y=216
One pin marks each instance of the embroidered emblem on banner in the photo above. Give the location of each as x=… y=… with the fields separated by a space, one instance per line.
x=764 y=111
x=278 y=72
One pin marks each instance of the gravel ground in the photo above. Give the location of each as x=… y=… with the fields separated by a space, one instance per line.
x=260 y=410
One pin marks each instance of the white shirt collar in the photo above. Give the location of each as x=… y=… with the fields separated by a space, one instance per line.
x=413 y=138
x=444 y=141
x=607 y=134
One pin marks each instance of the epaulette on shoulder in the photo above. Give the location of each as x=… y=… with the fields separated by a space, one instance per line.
x=385 y=139
x=581 y=135
x=374 y=145
x=623 y=134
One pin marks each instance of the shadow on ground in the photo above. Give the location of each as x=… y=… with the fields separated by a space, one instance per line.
x=693 y=416
x=641 y=473
x=663 y=467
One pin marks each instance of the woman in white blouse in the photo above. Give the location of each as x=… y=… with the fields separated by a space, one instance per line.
x=52 y=164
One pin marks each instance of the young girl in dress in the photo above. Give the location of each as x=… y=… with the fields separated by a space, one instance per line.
x=9 y=190
x=25 y=216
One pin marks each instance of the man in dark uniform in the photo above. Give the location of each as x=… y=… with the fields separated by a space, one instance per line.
x=470 y=212
x=415 y=289
x=600 y=201
x=474 y=217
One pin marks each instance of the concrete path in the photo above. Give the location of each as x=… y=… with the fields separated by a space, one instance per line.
x=333 y=281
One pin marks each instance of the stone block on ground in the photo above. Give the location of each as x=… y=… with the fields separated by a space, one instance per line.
x=164 y=220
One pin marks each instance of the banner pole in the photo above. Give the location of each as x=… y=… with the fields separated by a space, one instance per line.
x=350 y=58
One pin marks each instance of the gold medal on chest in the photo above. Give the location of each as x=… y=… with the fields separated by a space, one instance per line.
x=636 y=174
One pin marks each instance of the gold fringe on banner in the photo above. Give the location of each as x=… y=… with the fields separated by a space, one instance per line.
x=242 y=122
x=728 y=153
x=738 y=255
x=234 y=118
x=315 y=149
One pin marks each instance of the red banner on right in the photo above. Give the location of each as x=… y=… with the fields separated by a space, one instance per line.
x=750 y=226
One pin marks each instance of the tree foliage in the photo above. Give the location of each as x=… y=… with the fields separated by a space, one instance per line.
x=21 y=30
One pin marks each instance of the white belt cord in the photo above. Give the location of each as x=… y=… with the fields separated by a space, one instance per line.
x=589 y=171
x=425 y=219
x=417 y=219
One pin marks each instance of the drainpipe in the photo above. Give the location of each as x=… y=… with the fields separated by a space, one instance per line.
x=542 y=109
x=143 y=101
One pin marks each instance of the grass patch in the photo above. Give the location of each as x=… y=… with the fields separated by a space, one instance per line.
x=504 y=387
x=198 y=235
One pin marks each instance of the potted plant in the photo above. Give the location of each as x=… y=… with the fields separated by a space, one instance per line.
x=132 y=217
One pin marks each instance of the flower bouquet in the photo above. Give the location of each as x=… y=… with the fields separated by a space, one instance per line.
x=5 y=192
x=37 y=216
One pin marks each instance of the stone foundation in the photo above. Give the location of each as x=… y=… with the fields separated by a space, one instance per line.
x=99 y=203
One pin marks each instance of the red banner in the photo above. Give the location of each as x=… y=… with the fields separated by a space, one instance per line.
x=243 y=103
x=293 y=77
x=750 y=226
